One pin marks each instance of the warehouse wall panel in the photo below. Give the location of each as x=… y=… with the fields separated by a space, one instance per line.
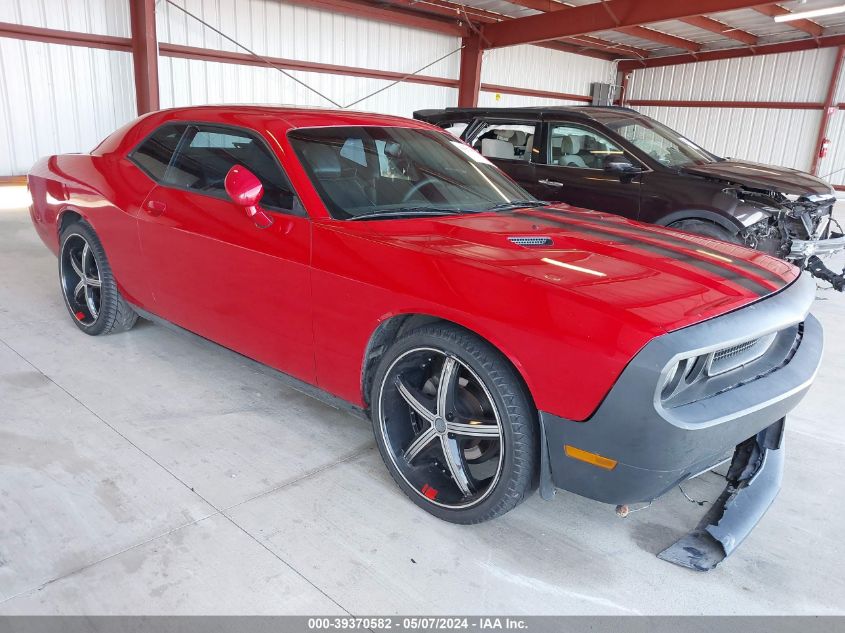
x=56 y=99
x=779 y=137
x=488 y=99
x=797 y=76
x=105 y=17
x=544 y=69
x=275 y=29
x=192 y=82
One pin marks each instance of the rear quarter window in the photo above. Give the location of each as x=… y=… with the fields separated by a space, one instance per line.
x=154 y=154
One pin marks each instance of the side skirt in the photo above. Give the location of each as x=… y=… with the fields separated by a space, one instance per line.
x=289 y=381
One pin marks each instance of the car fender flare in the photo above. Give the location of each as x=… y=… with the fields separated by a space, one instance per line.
x=67 y=210
x=389 y=326
x=725 y=221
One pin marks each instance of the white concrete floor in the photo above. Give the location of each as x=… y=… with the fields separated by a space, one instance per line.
x=151 y=473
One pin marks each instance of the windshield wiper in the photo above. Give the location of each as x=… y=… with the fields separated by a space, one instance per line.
x=411 y=211
x=517 y=204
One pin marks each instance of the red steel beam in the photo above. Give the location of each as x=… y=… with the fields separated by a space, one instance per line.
x=529 y=92
x=604 y=45
x=829 y=107
x=599 y=16
x=144 y=54
x=775 y=105
x=660 y=38
x=808 y=26
x=714 y=26
x=67 y=38
x=578 y=49
x=469 y=80
x=730 y=53
x=389 y=15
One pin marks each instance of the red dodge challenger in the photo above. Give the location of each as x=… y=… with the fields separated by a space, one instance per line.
x=498 y=343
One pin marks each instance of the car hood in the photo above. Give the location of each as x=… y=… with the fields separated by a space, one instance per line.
x=759 y=176
x=664 y=278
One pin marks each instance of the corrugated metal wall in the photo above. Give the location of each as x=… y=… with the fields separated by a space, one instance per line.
x=781 y=136
x=56 y=98
x=279 y=30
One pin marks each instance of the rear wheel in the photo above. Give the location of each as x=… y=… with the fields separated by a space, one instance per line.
x=88 y=286
x=454 y=425
x=707 y=229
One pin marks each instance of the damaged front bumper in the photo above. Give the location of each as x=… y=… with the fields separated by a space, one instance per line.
x=754 y=480
x=801 y=249
x=638 y=448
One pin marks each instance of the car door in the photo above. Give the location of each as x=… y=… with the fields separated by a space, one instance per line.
x=213 y=270
x=570 y=168
x=509 y=144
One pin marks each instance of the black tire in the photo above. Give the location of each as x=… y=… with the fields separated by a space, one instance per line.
x=95 y=309
x=707 y=229
x=500 y=397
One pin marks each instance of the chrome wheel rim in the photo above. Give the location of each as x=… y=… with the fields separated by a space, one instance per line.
x=80 y=277
x=441 y=428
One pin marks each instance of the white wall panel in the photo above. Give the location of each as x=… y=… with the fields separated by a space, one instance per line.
x=779 y=137
x=57 y=99
x=192 y=82
x=832 y=166
x=275 y=29
x=544 y=69
x=105 y=17
x=797 y=76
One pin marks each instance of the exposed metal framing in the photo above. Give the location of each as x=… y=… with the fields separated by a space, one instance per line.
x=829 y=107
x=144 y=54
x=469 y=80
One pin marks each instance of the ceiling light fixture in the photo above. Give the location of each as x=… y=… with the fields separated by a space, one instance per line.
x=812 y=13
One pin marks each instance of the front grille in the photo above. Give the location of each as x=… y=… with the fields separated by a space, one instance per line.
x=729 y=358
x=531 y=241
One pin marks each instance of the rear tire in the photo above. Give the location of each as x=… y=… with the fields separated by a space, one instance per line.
x=707 y=229
x=88 y=285
x=468 y=452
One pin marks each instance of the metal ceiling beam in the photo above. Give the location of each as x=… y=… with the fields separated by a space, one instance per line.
x=606 y=45
x=730 y=53
x=660 y=38
x=808 y=26
x=714 y=26
x=600 y=16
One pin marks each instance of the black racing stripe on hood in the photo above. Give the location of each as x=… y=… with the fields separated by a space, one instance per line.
x=704 y=265
x=750 y=267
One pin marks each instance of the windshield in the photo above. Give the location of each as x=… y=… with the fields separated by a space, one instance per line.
x=394 y=171
x=663 y=144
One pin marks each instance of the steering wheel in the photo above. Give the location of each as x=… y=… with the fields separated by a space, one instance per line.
x=428 y=180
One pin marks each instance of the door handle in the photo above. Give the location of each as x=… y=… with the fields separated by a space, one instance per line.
x=156 y=207
x=550 y=183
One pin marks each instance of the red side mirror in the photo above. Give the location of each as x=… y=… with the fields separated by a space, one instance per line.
x=246 y=191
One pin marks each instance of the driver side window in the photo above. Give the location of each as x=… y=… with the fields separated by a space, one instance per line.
x=578 y=147
x=206 y=154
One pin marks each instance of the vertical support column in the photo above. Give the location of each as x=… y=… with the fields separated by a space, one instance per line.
x=469 y=82
x=829 y=107
x=144 y=54
x=624 y=77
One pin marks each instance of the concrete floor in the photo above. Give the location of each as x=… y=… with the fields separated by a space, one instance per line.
x=152 y=473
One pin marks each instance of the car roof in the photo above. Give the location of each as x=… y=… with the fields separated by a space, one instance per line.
x=292 y=116
x=538 y=113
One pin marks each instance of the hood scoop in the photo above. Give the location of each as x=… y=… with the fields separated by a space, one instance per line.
x=531 y=241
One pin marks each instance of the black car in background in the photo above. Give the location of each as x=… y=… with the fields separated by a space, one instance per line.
x=617 y=160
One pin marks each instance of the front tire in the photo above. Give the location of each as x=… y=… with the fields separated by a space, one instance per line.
x=88 y=285
x=454 y=424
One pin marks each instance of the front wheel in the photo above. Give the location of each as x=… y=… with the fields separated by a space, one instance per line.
x=454 y=424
